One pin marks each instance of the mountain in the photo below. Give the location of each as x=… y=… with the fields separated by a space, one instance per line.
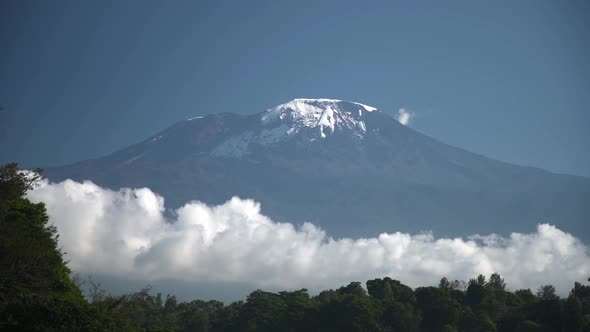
x=348 y=167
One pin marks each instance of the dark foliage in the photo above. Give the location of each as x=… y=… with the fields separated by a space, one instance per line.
x=36 y=291
x=350 y=308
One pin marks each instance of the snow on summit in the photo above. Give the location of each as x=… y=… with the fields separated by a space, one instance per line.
x=312 y=108
x=322 y=113
x=318 y=118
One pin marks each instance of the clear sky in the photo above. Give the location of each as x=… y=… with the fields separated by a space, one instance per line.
x=507 y=79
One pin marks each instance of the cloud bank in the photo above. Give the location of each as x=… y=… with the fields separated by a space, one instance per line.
x=404 y=116
x=125 y=233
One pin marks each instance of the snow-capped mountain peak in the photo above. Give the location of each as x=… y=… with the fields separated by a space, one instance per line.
x=324 y=114
x=306 y=119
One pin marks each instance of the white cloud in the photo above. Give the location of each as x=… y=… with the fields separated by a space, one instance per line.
x=124 y=233
x=404 y=116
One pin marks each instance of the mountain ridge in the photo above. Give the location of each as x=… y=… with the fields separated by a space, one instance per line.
x=313 y=161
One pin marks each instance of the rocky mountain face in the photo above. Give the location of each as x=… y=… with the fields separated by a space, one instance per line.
x=345 y=166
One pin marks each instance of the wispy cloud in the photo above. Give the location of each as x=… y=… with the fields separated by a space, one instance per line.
x=404 y=116
x=125 y=233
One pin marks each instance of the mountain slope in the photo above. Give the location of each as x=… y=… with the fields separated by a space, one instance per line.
x=346 y=166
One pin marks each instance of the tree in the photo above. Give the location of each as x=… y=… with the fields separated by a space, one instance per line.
x=476 y=291
x=582 y=294
x=526 y=296
x=455 y=285
x=298 y=306
x=397 y=300
x=388 y=290
x=380 y=289
x=346 y=309
x=495 y=297
x=480 y=280
x=437 y=307
x=15 y=183
x=36 y=291
x=496 y=283
x=444 y=283
x=547 y=292
x=263 y=311
x=573 y=318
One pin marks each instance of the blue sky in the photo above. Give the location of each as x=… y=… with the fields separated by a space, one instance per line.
x=507 y=79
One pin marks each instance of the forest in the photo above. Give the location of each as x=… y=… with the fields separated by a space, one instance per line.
x=39 y=293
